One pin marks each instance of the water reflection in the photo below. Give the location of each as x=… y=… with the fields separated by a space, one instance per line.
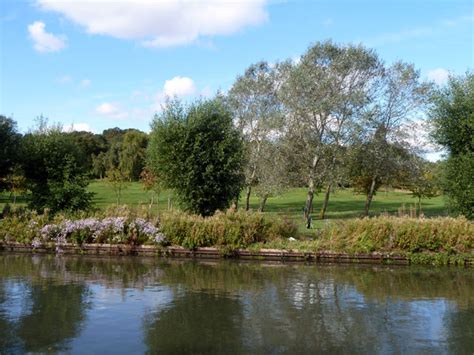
x=123 y=305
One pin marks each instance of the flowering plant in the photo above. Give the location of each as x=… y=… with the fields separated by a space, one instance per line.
x=113 y=230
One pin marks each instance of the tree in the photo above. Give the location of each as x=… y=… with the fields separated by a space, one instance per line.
x=368 y=171
x=452 y=119
x=55 y=170
x=254 y=102
x=383 y=146
x=16 y=182
x=133 y=154
x=118 y=180
x=150 y=184
x=422 y=180
x=272 y=179
x=99 y=165
x=197 y=151
x=323 y=93
x=91 y=144
x=10 y=141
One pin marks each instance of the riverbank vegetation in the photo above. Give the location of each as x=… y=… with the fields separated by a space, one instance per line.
x=439 y=240
x=305 y=143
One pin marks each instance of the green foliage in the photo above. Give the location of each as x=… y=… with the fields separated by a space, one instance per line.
x=91 y=145
x=451 y=235
x=132 y=154
x=9 y=144
x=115 y=226
x=118 y=180
x=230 y=229
x=55 y=171
x=458 y=183
x=452 y=117
x=198 y=152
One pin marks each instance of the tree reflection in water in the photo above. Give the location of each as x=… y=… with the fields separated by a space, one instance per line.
x=231 y=307
x=49 y=311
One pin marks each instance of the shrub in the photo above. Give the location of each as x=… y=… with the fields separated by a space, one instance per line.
x=232 y=229
x=38 y=230
x=198 y=152
x=453 y=235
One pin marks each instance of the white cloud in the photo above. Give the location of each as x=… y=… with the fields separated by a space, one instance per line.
x=420 y=32
x=207 y=91
x=179 y=86
x=440 y=76
x=111 y=110
x=85 y=83
x=161 y=23
x=78 y=127
x=44 y=41
x=328 y=22
x=400 y=36
x=65 y=79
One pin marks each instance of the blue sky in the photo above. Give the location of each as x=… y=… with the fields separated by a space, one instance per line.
x=108 y=63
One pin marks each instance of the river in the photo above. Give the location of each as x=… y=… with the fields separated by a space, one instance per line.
x=83 y=304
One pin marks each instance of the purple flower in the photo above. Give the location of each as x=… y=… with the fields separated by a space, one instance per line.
x=36 y=243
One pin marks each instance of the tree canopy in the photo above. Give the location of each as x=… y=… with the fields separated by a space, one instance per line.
x=452 y=118
x=197 y=151
x=55 y=171
x=9 y=144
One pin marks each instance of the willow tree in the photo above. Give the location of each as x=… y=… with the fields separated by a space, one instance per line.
x=323 y=94
x=400 y=97
x=257 y=110
x=452 y=118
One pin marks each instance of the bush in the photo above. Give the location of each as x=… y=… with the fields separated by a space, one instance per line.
x=198 y=152
x=230 y=229
x=55 y=171
x=38 y=230
x=451 y=235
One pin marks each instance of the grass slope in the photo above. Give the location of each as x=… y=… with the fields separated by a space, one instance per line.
x=343 y=204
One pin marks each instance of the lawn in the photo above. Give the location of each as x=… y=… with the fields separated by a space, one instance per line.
x=343 y=203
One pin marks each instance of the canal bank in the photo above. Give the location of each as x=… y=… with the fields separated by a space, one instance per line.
x=466 y=260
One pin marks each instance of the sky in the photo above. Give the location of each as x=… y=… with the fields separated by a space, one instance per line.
x=93 y=65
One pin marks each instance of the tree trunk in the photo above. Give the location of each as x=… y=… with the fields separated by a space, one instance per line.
x=309 y=200
x=322 y=214
x=151 y=200
x=309 y=197
x=263 y=201
x=370 y=195
x=247 y=197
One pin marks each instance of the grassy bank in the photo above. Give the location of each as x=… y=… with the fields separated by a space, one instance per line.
x=344 y=203
x=439 y=240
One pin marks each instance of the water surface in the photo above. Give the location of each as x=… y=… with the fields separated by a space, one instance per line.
x=80 y=304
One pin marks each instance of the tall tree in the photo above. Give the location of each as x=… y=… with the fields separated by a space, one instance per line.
x=198 y=152
x=55 y=170
x=9 y=146
x=422 y=180
x=452 y=119
x=91 y=144
x=133 y=154
x=323 y=93
x=254 y=102
x=272 y=179
x=400 y=96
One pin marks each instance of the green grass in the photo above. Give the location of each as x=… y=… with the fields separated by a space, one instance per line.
x=343 y=204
